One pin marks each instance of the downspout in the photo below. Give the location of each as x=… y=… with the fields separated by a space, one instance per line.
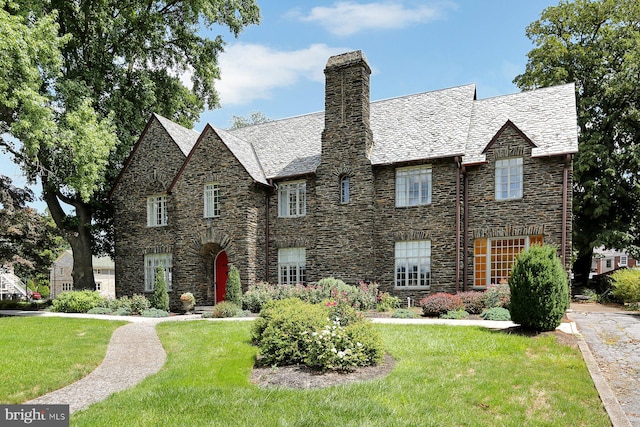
x=465 y=232
x=266 y=230
x=458 y=165
x=565 y=194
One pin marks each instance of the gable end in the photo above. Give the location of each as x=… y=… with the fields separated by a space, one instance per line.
x=507 y=125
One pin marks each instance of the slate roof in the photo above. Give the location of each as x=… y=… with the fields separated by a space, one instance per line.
x=184 y=138
x=443 y=123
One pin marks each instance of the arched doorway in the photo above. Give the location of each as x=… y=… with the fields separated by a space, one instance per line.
x=220 y=275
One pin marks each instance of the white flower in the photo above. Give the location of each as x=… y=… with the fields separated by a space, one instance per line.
x=334 y=350
x=341 y=354
x=359 y=344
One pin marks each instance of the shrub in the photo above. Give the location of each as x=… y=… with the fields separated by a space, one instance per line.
x=342 y=312
x=455 y=314
x=118 y=303
x=473 y=301
x=403 y=313
x=224 y=309
x=386 y=302
x=100 y=310
x=626 y=285
x=278 y=332
x=539 y=289
x=256 y=296
x=154 y=312
x=77 y=301
x=497 y=296
x=160 y=296
x=496 y=313
x=139 y=303
x=234 y=291
x=123 y=311
x=439 y=303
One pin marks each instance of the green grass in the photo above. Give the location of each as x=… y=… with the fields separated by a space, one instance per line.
x=444 y=376
x=39 y=355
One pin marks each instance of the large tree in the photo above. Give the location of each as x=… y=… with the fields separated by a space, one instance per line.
x=78 y=81
x=596 y=44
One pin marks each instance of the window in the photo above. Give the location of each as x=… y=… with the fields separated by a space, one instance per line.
x=413 y=263
x=609 y=263
x=493 y=258
x=98 y=286
x=345 y=182
x=151 y=264
x=509 y=179
x=157 y=211
x=66 y=287
x=211 y=200
x=291 y=265
x=623 y=261
x=413 y=186
x=292 y=199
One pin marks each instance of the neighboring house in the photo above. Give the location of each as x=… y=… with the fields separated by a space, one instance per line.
x=11 y=287
x=424 y=193
x=607 y=260
x=103 y=274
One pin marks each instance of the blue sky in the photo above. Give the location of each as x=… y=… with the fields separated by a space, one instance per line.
x=412 y=46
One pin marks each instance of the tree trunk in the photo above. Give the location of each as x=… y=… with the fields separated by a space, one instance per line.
x=77 y=231
x=582 y=268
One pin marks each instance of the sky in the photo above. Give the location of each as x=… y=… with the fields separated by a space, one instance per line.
x=412 y=46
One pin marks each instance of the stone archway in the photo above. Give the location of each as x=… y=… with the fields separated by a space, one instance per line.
x=213 y=248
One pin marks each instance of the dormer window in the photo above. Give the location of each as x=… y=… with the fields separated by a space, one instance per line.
x=509 y=179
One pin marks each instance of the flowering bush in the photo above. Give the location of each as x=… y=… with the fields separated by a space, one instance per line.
x=224 y=309
x=497 y=296
x=188 y=298
x=343 y=311
x=335 y=347
x=386 y=302
x=440 y=303
x=473 y=301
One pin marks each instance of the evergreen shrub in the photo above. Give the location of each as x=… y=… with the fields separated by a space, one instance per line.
x=539 y=289
x=455 y=314
x=234 y=290
x=154 y=312
x=77 y=301
x=160 y=296
x=496 y=313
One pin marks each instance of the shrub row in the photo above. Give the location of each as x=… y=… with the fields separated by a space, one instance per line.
x=92 y=302
x=460 y=305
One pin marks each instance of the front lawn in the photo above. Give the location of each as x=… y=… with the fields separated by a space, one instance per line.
x=444 y=376
x=42 y=354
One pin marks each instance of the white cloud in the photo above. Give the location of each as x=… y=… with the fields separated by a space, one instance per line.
x=346 y=18
x=252 y=71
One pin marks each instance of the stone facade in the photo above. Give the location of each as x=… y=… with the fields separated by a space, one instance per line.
x=356 y=237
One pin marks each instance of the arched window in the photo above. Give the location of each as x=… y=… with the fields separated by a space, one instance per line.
x=345 y=190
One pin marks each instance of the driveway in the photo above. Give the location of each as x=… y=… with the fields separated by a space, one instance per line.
x=613 y=335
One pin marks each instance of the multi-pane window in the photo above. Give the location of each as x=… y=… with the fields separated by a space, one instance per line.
x=509 y=179
x=413 y=263
x=493 y=258
x=157 y=211
x=211 y=200
x=151 y=264
x=623 y=261
x=413 y=186
x=66 y=287
x=292 y=199
x=345 y=190
x=291 y=265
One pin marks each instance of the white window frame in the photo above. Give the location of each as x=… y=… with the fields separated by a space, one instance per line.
x=292 y=265
x=151 y=263
x=345 y=189
x=509 y=178
x=98 y=286
x=292 y=199
x=413 y=186
x=624 y=261
x=67 y=287
x=413 y=264
x=211 y=200
x=157 y=215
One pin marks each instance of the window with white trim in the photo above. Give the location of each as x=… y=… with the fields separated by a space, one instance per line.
x=494 y=257
x=509 y=179
x=66 y=287
x=151 y=264
x=292 y=199
x=413 y=263
x=291 y=265
x=98 y=286
x=211 y=200
x=413 y=186
x=345 y=189
x=157 y=211
x=623 y=261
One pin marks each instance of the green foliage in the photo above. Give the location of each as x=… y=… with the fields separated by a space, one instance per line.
x=282 y=332
x=473 y=301
x=234 y=290
x=496 y=313
x=100 y=310
x=440 y=303
x=497 y=296
x=386 y=302
x=256 y=296
x=255 y=118
x=154 y=312
x=403 y=313
x=123 y=311
x=455 y=314
x=77 y=301
x=594 y=44
x=139 y=303
x=160 y=297
x=225 y=309
x=343 y=312
x=539 y=289
x=626 y=285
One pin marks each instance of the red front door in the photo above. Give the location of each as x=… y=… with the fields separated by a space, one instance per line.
x=221 y=273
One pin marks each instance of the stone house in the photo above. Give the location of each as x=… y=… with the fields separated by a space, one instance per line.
x=430 y=192
x=60 y=279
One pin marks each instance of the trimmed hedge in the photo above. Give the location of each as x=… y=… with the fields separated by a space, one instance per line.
x=440 y=303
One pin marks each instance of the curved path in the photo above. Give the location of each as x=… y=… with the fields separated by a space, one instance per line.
x=134 y=353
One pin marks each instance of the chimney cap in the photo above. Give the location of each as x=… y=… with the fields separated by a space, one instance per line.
x=348 y=59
